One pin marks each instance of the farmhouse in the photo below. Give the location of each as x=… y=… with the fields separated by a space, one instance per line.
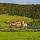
x=18 y=24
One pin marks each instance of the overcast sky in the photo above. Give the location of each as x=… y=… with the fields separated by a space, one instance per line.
x=21 y=1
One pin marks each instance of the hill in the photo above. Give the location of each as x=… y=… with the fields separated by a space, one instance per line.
x=31 y=11
x=4 y=18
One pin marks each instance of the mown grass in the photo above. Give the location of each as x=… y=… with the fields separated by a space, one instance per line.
x=5 y=17
x=19 y=35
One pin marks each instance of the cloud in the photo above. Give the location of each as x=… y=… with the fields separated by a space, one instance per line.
x=23 y=3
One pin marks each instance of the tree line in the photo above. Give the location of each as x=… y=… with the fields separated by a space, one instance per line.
x=31 y=11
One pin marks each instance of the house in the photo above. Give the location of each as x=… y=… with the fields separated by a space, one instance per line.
x=18 y=24
x=24 y=25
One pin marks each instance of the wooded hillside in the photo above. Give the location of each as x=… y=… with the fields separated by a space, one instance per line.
x=31 y=11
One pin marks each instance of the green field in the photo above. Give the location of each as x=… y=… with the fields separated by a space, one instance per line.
x=4 y=18
x=19 y=35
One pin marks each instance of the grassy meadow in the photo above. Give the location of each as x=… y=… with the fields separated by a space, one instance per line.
x=4 y=18
x=19 y=35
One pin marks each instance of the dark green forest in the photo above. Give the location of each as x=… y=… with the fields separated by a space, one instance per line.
x=31 y=11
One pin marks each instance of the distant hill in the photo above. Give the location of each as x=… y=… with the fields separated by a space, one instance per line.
x=31 y=11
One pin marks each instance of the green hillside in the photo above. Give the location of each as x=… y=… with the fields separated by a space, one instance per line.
x=4 y=18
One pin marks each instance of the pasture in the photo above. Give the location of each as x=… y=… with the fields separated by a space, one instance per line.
x=19 y=35
x=4 y=18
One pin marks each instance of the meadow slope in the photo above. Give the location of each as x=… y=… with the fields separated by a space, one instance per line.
x=4 y=18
